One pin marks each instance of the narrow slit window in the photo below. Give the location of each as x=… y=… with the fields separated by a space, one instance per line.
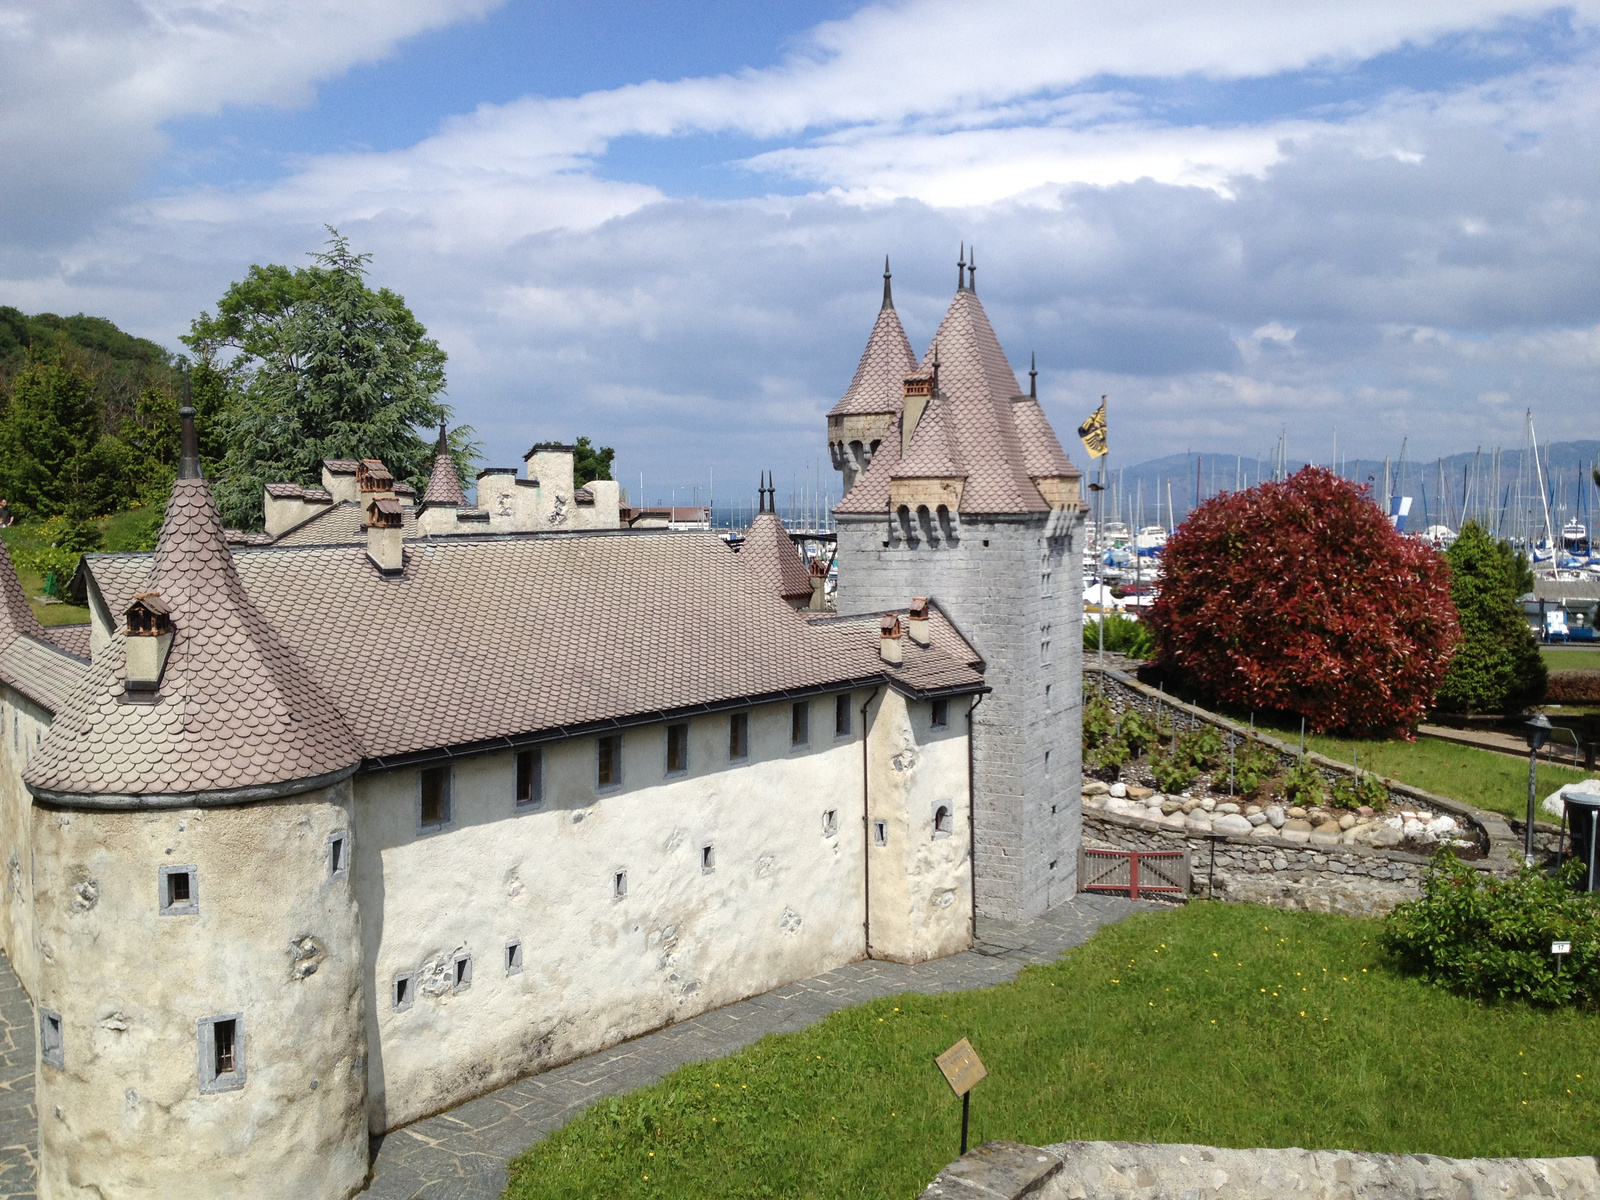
x=50 y=1042
x=739 y=735
x=880 y=833
x=463 y=972
x=514 y=958
x=841 y=715
x=608 y=761
x=226 y=1047
x=619 y=885
x=530 y=778
x=433 y=798
x=830 y=822
x=800 y=724
x=221 y=1053
x=403 y=992
x=942 y=821
x=941 y=714
x=708 y=859
x=677 y=748
x=338 y=851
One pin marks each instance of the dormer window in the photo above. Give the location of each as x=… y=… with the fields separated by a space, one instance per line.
x=148 y=640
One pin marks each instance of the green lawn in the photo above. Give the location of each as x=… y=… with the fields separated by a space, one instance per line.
x=131 y=530
x=1565 y=658
x=1224 y=1025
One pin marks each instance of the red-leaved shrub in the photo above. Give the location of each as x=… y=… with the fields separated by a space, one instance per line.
x=1300 y=597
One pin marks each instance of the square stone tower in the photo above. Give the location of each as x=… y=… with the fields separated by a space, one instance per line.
x=956 y=488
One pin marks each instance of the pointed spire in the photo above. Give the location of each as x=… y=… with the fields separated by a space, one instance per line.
x=444 y=442
x=444 y=482
x=888 y=299
x=1033 y=375
x=961 y=269
x=935 y=366
x=972 y=270
x=189 y=445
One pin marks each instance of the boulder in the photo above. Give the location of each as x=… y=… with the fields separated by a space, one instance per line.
x=1297 y=813
x=1093 y=800
x=1275 y=815
x=1365 y=810
x=1229 y=807
x=1231 y=823
x=1170 y=806
x=1383 y=837
x=1442 y=827
x=1296 y=830
x=1348 y=821
x=1414 y=828
x=1175 y=820
x=1135 y=792
x=1209 y=804
x=1119 y=790
x=1251 y=809
x=1263 y=830
x=1326 y=834
x=1094 y=787
x=1199 y=822
x=1555 y=803
x=1257 y=818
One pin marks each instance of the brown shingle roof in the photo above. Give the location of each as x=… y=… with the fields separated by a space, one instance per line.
x=771 y=556
x=933 y=453
x=342 y=522
x=236 y=708
x=879 y=383
x=29 y=661
x=444 y=484
x=494 y=637
x=74 y=639
x=1042 y=454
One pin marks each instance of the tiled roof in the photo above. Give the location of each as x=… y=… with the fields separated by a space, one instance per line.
x=995 y=444
x=879 y=383
x=236 y=708
x=341 y=466
x=771 y=556
x=1042 y=454
x=933 y=453
x=444 y=484
x=74 y=639
x=29 y=661
x=494 y=637
x=342 y=522
x=947 y=663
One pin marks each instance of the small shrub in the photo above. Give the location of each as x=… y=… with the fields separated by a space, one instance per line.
x=1099 y=720
x=1490 y=938
x=1303 y=784
x=1202 y=747
x=1124 y=635
x=1574 y=687
x=1141 y=733
x=1253 y=765
x=1172 y=771
x=1353 y=792
x=1109 y=757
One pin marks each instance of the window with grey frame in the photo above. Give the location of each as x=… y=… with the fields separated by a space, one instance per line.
x=841 y=716
x=678 y=748
x=463 y=973
x=180 y=891
x=738 y=736
x=435 y=801
x=530 y=778
x=338 y=854
x=404 y=991
x=800 y=724
x=221 y=1053
x=51 y=1044
x=608 y=761
x=939 y=714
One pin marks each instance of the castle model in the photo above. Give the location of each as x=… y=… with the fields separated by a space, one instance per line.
x=313 y=833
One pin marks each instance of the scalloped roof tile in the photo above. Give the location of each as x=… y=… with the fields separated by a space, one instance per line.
x=879 y=382
x=769 y=553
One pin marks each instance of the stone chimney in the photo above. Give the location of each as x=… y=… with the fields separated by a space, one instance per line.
x=889 y=639
x=918 y=391
x=339 y=479
x=919 y=621
x=384 y=545
x=149 y=637
x=819 y=584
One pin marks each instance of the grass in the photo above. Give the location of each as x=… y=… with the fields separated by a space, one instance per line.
x=1565 y=658
x=134 y=529
x=1224 y=1025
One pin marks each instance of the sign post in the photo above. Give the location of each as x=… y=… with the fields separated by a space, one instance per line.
x=1560 y=950
x=962 y=1069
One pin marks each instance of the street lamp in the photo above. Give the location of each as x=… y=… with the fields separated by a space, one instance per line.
x=1539 y=728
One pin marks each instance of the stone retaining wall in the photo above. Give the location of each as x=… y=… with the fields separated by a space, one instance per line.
x=1144 y=1171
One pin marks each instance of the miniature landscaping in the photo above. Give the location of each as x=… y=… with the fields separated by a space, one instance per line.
x=1217 y=1024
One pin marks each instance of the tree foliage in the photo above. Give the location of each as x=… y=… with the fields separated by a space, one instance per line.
x=1300 y=597
x=1498 y=665
x=590 y=462
x=318 y=365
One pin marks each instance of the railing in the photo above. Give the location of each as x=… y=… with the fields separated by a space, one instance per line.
x=1157 y=872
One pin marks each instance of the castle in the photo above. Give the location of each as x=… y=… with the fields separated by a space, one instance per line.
x=310 y=834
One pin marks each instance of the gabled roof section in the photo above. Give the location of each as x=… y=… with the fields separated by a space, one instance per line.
x=934 y=453
x=769 y=553
x=1042 y=455
x=236 y=711
x=342 y=522
x=29 y=661
x=879 y=383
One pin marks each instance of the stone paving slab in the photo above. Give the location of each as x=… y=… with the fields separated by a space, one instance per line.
x=462 y=1154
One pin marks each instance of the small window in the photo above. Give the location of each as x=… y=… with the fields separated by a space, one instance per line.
x=1047 y=693
x=338 y=854
x=1047 y=760
x=50 y=1044
x=463 y=973
x=880 y=833
x=941 y=713
x=800 y=724
x=221 y=1053
x=677 y=749
x=830 y=822
x=708 y=859
x=514 y=958
x=943 y=822
x=841 y=715
x=530 y=778
x=433 y=798
x=180 y=891
x=608 y=761
x=739 y=735
x=404 y=987
x=619 y=885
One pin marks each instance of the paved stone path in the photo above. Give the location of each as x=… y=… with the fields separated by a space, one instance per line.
x=462 y=1154
x=19 y=1123
x=1558 y=750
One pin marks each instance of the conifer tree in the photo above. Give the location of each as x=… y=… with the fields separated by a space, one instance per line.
x=1498 y=666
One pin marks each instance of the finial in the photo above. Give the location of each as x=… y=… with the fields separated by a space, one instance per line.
x=189 y=446
x=1033 y=375
x=888 y=300
x=972 y=270
x=936 y=366
x=961 y=269
x=444 y=442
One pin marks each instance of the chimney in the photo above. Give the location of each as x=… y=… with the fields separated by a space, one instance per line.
x=384 y=523
x=919 y=620
x=889 y=639
x=148 y=639
x=918 y=391
x=373 y=480
x=819 y=584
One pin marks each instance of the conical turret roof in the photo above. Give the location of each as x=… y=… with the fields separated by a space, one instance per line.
x=444 y=483
x=236 y=710
x=879 y=383
x=768 y=551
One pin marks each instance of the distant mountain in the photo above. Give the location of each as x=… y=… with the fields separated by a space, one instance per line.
x=1497 y=489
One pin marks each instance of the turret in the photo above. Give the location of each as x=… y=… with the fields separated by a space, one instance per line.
x=865 y=413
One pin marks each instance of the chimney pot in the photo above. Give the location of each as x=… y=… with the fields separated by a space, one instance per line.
x=384 y=526
x=148 y=638
x=889 y=639
x=919 y=621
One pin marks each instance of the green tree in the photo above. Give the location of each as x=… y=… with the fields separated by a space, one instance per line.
x=589 y=463
x=54 y=458
x=322 y=366
x=1498 y=666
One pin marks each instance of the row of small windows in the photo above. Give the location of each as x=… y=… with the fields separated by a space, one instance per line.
x=221 y=1049
x=405 y=984
x=178 y=893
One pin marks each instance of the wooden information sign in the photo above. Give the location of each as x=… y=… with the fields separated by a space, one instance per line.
x=961 y=1067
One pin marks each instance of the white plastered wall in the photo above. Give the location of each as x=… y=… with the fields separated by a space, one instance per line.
x=275 y=939
x=22 y=727
x=783 y=901
x=921 y=885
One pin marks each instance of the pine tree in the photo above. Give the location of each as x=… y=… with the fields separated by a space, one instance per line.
x=1498 y=666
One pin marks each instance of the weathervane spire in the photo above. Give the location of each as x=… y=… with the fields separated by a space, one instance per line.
x=888 y=299
x=961 y=269
x=1033 y=375
x=972 y=270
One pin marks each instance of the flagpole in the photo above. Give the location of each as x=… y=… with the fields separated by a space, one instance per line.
x=1099 y=535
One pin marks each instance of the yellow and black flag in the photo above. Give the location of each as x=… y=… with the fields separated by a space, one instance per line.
x=1093 y=431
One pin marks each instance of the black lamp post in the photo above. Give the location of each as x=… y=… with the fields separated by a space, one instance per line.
x=1539 y=728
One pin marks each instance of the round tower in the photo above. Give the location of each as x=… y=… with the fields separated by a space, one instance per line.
x=199 y=983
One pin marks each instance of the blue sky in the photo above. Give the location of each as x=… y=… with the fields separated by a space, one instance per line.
x=661 y=225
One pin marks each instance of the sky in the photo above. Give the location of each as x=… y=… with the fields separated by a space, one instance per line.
x=662 y=226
